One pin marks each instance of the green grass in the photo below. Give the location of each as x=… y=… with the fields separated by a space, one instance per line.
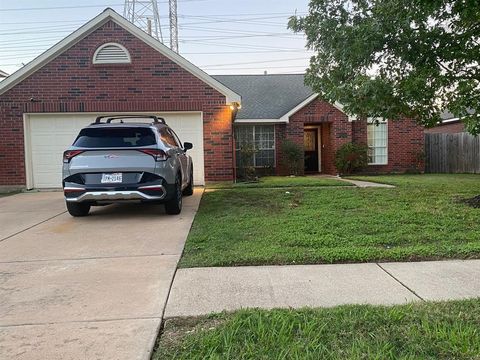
x=419 y=219
x=281 y=181
x=426 y=180
x=449 y=330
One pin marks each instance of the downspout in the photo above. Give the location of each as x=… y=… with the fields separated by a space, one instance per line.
x=234 y=157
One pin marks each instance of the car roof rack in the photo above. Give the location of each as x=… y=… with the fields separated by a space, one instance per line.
x=156 y=119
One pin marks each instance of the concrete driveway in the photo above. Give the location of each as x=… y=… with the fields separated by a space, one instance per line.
x=85 y=288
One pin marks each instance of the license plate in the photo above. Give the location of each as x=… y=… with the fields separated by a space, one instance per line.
x=111 y=178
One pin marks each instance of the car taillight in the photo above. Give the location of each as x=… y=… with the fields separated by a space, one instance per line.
x=69 y=154
x=158 y=155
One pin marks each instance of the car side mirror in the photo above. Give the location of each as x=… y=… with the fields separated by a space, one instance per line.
x=187 y=146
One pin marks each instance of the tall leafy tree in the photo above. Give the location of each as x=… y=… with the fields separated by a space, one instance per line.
x=394 y=58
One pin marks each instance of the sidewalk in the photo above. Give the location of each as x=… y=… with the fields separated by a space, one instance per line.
x=199 y=291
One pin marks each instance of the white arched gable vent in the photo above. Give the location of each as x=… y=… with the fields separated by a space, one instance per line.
x=111 y=53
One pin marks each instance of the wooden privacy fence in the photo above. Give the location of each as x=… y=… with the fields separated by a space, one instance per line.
x=452 y=153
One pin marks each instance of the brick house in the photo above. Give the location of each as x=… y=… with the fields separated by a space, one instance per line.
x=450 y=124
x=110 y=66
x=278 y=107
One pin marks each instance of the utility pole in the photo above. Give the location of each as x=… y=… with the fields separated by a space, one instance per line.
x=173 y=25
x=144 y=14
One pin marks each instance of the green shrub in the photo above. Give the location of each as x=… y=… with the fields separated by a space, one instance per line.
x=246 y=166
x=292 y=156
x=350 y=157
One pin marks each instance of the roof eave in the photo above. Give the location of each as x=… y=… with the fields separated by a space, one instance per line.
x=260 y=121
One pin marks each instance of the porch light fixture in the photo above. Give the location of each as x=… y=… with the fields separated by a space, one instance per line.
x=235 y=106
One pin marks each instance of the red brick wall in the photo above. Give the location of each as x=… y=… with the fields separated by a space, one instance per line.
x=405 y=146
x=405 y=138
x=335 y=133
x=12 y=160
x=447 y=128
x=71 y=83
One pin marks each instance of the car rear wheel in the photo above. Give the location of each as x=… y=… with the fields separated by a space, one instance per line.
x=174 y=205
x=78 y=209
x=189 y=189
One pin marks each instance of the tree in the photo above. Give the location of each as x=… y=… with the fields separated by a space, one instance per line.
x=394 y=58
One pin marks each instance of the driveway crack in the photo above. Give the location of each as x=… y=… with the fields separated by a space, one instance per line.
x=32 y=226
x=401 y=283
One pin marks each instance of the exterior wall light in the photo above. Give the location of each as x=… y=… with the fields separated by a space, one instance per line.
x=235 y=106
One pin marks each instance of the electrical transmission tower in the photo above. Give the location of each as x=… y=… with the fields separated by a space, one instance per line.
x=145 y=15
x=173 y=25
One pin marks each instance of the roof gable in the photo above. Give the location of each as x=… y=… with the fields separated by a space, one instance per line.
x=271 y=98
x=90 y=27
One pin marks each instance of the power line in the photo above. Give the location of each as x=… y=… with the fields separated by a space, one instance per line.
x=212 y=20
x=78 y=6
x=30 y=41
x=253 y=62
x=242 y=46
x=26 y=46
x=44 y=22
x=242 y=52
x=59 y=7
x=38 y=32
x=257 y=67
x=53 y=27
x=206 y=16
x=223 y=31
x=213 y=37
x=74 y=25
x=244 y=14
x=187 y=25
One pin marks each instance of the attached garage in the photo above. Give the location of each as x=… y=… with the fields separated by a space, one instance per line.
x=45 y=103
x=48 y=135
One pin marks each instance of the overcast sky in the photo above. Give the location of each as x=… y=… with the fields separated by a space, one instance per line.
x=220 y=36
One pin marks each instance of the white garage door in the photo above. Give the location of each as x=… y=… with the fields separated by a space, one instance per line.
x=49 y=135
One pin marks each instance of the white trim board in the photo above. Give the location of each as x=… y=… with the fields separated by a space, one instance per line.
x=259 y=121
x=86 y=29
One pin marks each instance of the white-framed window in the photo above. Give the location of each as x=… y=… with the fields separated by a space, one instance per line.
x=111 y=53
x=261 y=139
x=377 y=140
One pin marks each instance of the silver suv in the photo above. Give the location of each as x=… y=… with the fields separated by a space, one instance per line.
x=126 y=161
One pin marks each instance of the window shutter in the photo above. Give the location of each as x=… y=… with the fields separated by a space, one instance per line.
x=111 y=53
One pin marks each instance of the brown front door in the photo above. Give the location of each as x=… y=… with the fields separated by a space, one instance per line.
x=310 y=143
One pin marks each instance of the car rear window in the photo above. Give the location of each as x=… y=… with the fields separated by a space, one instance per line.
x=115 y=137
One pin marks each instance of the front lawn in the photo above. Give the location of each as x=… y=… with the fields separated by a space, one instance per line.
x=448 y=330
x=422 y=218
x=281 y=181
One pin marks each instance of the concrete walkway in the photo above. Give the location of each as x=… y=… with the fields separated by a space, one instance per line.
x=365 y=184
x=199 y=291
x=357 y=183
x=85 y=288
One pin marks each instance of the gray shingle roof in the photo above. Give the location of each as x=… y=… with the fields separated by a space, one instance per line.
x=267 y=96
x=446 y=115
